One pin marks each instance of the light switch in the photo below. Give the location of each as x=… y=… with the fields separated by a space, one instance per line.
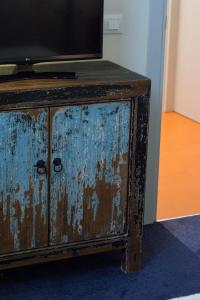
x=113 y=24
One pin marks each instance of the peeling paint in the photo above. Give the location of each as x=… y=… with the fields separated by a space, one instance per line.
x=23 y=194
x=93 y=144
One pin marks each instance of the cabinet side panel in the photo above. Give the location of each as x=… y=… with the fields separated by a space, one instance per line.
x=23 y=193
x=89 y=195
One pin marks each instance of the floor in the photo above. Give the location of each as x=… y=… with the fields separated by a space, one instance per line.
x=179 y=178
x=171 y=269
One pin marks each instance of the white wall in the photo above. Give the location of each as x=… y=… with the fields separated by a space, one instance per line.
x=140 y=48
x=130 y=48
x=155 y=71
x=187 y=96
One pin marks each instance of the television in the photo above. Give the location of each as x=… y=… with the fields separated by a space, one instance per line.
x=35 y=31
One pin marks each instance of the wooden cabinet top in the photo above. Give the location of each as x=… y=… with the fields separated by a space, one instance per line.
x=96 y=80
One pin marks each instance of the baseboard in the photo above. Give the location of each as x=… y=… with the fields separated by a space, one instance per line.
x=177 y=218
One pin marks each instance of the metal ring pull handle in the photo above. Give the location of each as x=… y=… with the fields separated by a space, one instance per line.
x=57 y=165
x=41 y=167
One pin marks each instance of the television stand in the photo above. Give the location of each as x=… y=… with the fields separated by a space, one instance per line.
x=27 y=72
x=73 y=166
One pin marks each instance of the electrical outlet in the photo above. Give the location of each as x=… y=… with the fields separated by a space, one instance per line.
x=113 y=24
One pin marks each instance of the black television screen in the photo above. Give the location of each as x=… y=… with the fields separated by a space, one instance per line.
x=44 y=30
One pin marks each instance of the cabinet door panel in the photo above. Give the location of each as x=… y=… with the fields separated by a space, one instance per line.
x=89 y=194
x=23 y=192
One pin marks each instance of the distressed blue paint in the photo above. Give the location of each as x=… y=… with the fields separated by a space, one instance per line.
x=95 y=203
x=88 y=139
x=23 y=141
x=115 y=226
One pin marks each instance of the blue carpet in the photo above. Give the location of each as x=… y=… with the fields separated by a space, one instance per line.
x=171 y=269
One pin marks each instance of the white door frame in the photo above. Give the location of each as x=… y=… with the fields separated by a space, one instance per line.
x=173 y=14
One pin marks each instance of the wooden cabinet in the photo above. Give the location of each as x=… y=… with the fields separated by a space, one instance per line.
x=72 y=166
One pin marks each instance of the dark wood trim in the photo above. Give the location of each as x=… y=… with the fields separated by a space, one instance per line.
x=63 y=103
x=60 y=252
x=132 y=258
x=101 y=80
x=70 y=95
x=50 y=85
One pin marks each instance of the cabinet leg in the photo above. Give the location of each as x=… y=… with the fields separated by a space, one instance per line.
x=131 y=260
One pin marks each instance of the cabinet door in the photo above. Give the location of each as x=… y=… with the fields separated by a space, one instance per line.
x=23 y=192
x=89 y=175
